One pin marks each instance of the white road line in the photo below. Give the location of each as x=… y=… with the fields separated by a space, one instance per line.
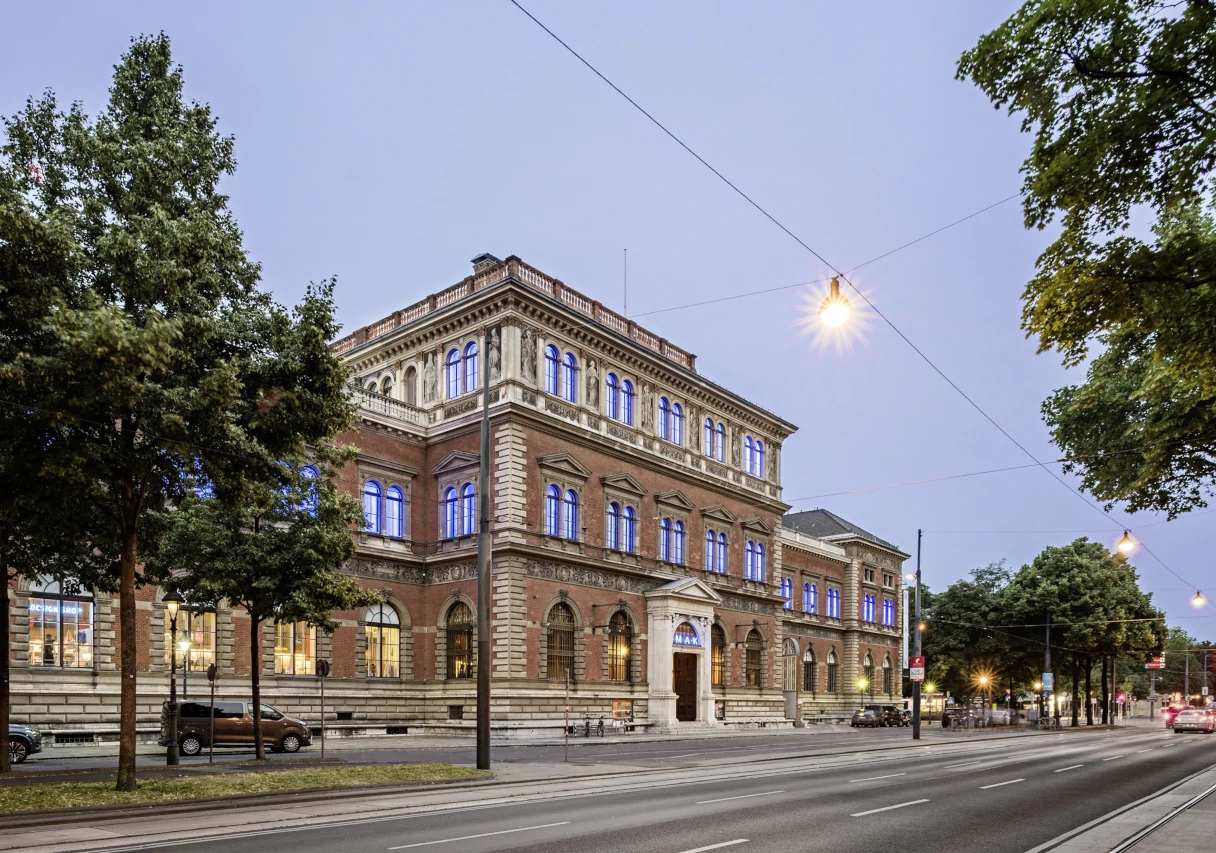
x=1062 y=769
x=876 y=778
x=740 y=797
x=717 y=846
x=1112 y=758
x=956 y=766
x=480 y=835
x=1150 y=749
x=999 y=784
x=889 y=808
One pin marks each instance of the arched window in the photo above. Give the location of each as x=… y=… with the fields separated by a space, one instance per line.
x=867 y=608
x=758 y=458
x=747 y=454
x=789 y=666
x=411 y=386
x=449 y=525
x=755 y=653
x=612 y=401
x=452 y=371
x=627 y=402
x=709 y=437
x=888 y=676
x=810 y=678
x=664 y=418
x=570 y=378
x=620 y=646
x=613 y=537
x=717 y=660
x=559 y=650
x=710 y=540
x=677 y=550
x=195 y=639
x=867 y=671
x=394 y=512
x=295 y=648
x=686 y=635
x=833 y=673
x=888 y=612
x=468 y=510
x=628 y=530
x=749 y=560
x=665 y=539
x=833 y=604
x=373 y=508
x=459 y=633
x=677 y=424
x=570 y=515
x=311 y=501
x=761 y=568
x=386 y=387
x=551 y=369
x=810 y=598
x=382 y=630
x=787 y=592
x=720 y=443
x=551 y=510
x=720 y=560
x=472 y=378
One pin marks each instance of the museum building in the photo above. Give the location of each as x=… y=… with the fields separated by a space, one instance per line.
x=643 y=561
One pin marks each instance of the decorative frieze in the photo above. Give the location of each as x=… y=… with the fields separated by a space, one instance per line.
x=586 y=577
x=747 y=605
x=622 y=434
x=561 y=411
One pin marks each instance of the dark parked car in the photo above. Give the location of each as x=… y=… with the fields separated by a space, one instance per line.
x=905 y=717
x=865 y=718
x=22 y=742
x=888 y=715
x=233 y=727
x=951 y=714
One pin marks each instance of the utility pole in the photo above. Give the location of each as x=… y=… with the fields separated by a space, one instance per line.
x=483 y=571
x=1186 y=679
x=1047 y=661
x=917 y=653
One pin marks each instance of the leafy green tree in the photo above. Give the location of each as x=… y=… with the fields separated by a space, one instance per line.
x=161 y=357
x=959 y=645
x=276 y=550
x=1120 y=96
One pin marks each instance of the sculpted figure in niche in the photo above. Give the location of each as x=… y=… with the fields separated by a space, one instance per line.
x=736 y=457
x=527 y=355
x=593 y=385
x=772 y=463
x=647 y=408
x=694 y=430
x=494 y=354
x=429 y=388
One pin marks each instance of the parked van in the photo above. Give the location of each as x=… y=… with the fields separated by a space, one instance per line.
x=233 y=727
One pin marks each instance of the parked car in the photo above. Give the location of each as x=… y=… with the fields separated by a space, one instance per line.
x=233 y=727
x=888 y=715
x=951 y=714
x=22 y=742
x=1170 y=712
x=1195 y=720
x=864 y=717
x=905 y=717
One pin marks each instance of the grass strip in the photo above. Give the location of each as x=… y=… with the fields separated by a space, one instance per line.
x=65 y=795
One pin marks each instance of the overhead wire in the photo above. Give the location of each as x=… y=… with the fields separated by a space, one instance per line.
x=941 y=373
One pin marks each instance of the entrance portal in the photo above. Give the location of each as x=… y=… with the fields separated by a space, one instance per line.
x=684 y=683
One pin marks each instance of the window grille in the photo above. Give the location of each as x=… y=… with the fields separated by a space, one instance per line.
x=620 y=644
x=459 y=628
x=560 y=642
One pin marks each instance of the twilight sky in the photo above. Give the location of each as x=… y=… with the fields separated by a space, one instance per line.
x=389 y=143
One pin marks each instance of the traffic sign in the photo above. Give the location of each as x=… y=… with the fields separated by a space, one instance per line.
x=916 y=669
x=1156 y=663
x=1048 y=682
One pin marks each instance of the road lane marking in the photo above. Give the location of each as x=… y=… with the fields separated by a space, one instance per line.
x=876 y=778
x=956 y=766
x=1150 y=749
x=1062 y=769
x=999 y=784
x=889 y=808
x=1112 y=758
x=717 y=846
x=479 y=835
x=740 y=797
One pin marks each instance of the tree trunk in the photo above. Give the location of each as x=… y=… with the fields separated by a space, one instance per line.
x=1076 y=685
x=255 y=667
x=5 y=666
x=1105 y=691
x=1089 y=691
x=127 y=658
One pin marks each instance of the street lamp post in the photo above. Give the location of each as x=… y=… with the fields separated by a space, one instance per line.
x=917 y=653
x=173 y=602
x=184 y=647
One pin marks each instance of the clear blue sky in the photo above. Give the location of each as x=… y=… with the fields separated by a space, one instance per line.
x=388 y=143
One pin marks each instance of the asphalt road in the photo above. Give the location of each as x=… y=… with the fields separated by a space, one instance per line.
x=1005 y=795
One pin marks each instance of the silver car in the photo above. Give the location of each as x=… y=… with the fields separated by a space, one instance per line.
x=1195 y=720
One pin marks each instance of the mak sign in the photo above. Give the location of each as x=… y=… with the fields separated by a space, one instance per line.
x=916 y=669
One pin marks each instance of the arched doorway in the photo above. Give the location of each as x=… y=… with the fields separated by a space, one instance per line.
x=684 y=671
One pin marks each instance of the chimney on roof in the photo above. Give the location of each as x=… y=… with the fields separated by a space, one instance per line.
x=483 y=262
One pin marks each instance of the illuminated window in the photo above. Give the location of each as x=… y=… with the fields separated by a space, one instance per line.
x=665 y=539
x=755 y=651
x=720 y=560
x=747 y=454
x=720 y=443
x=613 y=537
x=449 y=514
x=295 y=648
x=570 y=515
x=809 y=674
x=867 y=671
x=867 y=608
x=677 y=551
x=627 y=402
x=709 y=437
x=309 y=473
x=61 y=627
x=833 y=604
x=686 y=635
x=677 y=424
x=472 y=378
x=758 y=458
x=787 y=592
x=710 y=541
x=382 y=630
x=373 y=505
x=888 y=612
x=749 y=560
x=628 y=530
x=452 y=371
x=570 y=378
x=810 y=598
x=552 y=510
x=888 y=676
x=394 y=512
x=468 y=510
x=612 y=399
x=552 y=363
x=459 y=631
x=195 y=631
x=717 y=656
x=620 y=645
x=560 y=642
x=664 y=418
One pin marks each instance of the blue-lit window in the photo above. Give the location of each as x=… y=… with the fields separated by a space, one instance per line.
x=453 y=373
x=686 y=635
x=552 y=361
x=758 y=457
x=551 y=510
x=449 y=514
x=761 y=568
x=665 y=539
x=721 y=558
x=394 y=512
x=747 y=454
x=677 y=424
x=613 y=537
x=373 y=497
x=749 y=560
x=720 y=443
x=787 y=592
x=888 y=612
x=612 y=397
x=472 y=378
x=677 y=550
x=867 y=608
x=570 y=515
x=627 y=402
x=710 y=540
x=709 y=437
x=664 y=414
x=810 y=598
x=468 y=509
x=628 y=530
x=570 y=378
x=309 y=473
x=833 y=604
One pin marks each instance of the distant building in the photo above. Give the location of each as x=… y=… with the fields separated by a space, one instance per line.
x=640 y=546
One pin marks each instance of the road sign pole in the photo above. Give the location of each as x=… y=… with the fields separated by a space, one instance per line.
x=916 y=684
x=211 y=671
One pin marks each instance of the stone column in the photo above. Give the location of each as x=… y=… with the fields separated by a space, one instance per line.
x=852 y=627
x=705 y=672
x=661 y=632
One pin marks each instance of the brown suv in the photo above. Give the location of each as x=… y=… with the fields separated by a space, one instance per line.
x=233 y=727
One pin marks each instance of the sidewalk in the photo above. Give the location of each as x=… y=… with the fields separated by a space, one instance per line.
x=1182 y=817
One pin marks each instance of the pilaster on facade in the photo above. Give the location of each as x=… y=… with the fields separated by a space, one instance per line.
x=509 y=454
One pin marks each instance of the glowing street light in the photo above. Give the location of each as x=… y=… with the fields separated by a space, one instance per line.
x=1198 y=600
x=835 y=309
x=1126 y=544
